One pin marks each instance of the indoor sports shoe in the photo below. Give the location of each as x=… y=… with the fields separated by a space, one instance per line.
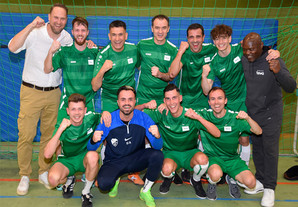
x=165 y=186
x=59 y=187
x=86 y=200
x=147 y=197
x=23 y=186
x=185 y=174
x=135 y=178
x=67 y=190
x=197 y=185
x=233 y=187
x=43 y=179
x=268 y=198
x=114 y=191
x=258 y=189
x=211 y=192
x=177 y=180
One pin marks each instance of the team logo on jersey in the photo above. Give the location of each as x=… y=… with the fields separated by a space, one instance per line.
x=128 y=140
x=260 y=72
x=227 y=128
x=147 y=53
x=191 y=63
x=167 y=58
x=89 y=131
x=222 y=70
x=207 y=59
x=236 y=59
x=73 y=61
x=90 y=62
x=114 y=142
x=185 y=128
x=130 y=60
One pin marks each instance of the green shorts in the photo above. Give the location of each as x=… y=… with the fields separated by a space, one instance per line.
x=74 y=164
x=182 y=159
x=232 y=167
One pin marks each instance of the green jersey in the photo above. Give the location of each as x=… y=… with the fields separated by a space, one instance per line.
x=77 y=69
x=178 y=134
x=191 y=76
x=230 y=127
x=74 y=139
x=149 y=87
x=230 y=73
x=122 y=72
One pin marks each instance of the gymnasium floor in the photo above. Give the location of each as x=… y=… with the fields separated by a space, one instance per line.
x=286 y=192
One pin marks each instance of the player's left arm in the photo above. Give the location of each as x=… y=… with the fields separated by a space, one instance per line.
x=211 y=128
x=162 y=76
x=254 y=126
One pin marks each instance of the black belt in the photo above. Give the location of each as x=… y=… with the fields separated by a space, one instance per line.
x=39 y=88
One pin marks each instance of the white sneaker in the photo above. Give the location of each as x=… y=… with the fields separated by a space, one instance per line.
x=43 y=179
x=268 y=198
x=258 y=189
x=23 y=186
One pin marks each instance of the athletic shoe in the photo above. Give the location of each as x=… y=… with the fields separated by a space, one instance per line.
x=197 y=185
x=185 y=174
x=233 y=187
x=177 y=180
x=23 y=186
x=67 y=190
x=114 y=191
x=258 y=189
x=165 y=186
x=83 y=178
x=135 y=178
x=268 y=198
x=43 y=179
x=211 y=192
x=59 y=187
x=147 y=197
x=86 y=200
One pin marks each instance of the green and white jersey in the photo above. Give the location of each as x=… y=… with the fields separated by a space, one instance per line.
x=122 y=72
x=230 y=127
x=178 y=134
x=191 y=76
x=74 y=139
x=150 y=54
x=77 y=75
x=230 y=73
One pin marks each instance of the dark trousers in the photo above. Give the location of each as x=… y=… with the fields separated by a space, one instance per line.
x=149 y=159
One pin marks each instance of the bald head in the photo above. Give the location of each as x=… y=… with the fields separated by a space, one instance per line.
x=252 y=46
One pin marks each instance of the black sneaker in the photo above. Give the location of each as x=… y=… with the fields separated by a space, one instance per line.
x=211 y=192
x=222 y=180
x=86 y=200
x=177 y=180
x=165 y=186
x=185 y=174
x=200 y=192
x=233 y=187
x=67 y=190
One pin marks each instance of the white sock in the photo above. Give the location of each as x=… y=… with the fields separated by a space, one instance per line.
x=147 y=186
x=211 y=181
x=199 y=170
x=232 y=180
x=169 y=176
x=102 y=152
x=88 y=185
x=245 y=153
x=69 y=180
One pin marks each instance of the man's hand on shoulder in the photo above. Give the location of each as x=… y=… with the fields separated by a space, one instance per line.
x=107 y=118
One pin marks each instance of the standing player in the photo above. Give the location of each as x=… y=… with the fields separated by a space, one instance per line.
x=73 y=135
x=125 y=149
x=222 y=151
x=114 y=66
x=77 y=63
x=156 y=55
x=40 y=93
x=191 y=57
x=180 y=135
x=265 y=79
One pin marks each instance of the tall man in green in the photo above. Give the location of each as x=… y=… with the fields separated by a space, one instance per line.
x=156 y=55
x=114 y=66
x=180 y=135
x=77 y=63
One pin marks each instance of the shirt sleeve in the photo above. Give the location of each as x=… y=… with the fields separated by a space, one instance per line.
x=99 y=61
x=93 y=147
x=284 y=78
x=57 y=60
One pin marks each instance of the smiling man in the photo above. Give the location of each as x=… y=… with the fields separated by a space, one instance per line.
x=77 y=63
x=40 y=93
x=125 y=149
x=156 y=55
x=114 y=66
